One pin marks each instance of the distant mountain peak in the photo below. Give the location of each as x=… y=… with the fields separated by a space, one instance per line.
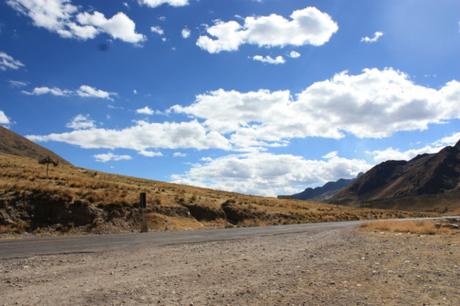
x=320 y=193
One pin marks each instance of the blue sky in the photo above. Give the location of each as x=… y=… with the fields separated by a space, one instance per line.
x=263 y=97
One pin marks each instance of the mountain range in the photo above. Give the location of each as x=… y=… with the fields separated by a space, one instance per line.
x=322 y=193
x=426 y=182
x=428 y=178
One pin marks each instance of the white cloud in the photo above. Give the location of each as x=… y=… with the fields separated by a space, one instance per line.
x=8 y=62
x=269 y=60
x=396 y=154
x=119 y=26
x=145 y=111
x=68 y=21
x=55 y=91
x=375 y=103
x=81 y=122
x=185 y=33
x=147 y=153
x=17 y=84
x=84 y=91
x=4 y=120
x=179 y=154
x=373 y=39
x=156 y=3
x=308 y=26
x=294 y=54
x=143 y=136
x=269 y=174
x=157 y=29
x=107 y=157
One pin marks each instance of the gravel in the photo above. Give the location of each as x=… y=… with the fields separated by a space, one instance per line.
x=336 y=267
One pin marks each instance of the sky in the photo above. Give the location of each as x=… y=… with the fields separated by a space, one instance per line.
x=262 y=97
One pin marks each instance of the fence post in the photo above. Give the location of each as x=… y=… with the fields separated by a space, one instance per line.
x=142 y=206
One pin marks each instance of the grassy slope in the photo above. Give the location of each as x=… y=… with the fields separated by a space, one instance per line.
x=14 y=144
x=75 y=199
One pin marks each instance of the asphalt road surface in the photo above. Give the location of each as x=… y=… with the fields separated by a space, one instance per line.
x=100 y=243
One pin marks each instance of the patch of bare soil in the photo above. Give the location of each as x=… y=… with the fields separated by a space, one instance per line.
x=346 y=267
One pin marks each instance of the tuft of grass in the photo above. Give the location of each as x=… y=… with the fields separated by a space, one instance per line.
x=423 y=227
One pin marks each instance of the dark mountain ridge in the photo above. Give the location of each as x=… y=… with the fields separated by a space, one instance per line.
x=320 y=193
x=424 y=175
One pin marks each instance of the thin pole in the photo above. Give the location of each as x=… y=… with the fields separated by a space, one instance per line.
x=142 y=206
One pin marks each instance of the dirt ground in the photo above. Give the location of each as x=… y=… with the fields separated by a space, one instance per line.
x=346 y=267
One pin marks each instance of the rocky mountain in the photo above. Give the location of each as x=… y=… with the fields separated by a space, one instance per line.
x=322 y=193
x=425 y=176
x=14 y=144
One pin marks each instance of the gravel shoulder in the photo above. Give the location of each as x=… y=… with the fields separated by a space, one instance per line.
x=336 y=267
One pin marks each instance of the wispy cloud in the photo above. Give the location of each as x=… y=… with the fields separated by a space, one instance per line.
x=81 y=122
x=269 y=60
x=84 y=91
x=8 y=62
x=108 y=157
x=156 y=3
x=370 y=40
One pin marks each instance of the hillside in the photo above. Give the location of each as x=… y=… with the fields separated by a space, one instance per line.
x=14 y=144
x=430 y=178
x=78 y=200
x=322 y=193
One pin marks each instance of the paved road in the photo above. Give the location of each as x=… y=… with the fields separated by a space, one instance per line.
x=100 y=243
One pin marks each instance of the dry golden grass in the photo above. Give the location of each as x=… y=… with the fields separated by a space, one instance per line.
x=423 y=227
x=168 y=203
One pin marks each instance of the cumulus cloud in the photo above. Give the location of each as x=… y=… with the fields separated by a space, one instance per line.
x=4 y=120
x=84 y=91
x=142 y=137
x=269 y=174
x=375 y=103
x=308 y=26
x=294 y=54
x=145 y=111
x=370 y=40
x=397 y=154
x=118 y=26
x=156 y=3
x=185 y=33
x=68 y=21
x=107 y=157
x=372 y=104
x=8 y=62
x=269 y=60
x=81 y=122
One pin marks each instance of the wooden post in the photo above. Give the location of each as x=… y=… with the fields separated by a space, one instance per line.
x=142 y=206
